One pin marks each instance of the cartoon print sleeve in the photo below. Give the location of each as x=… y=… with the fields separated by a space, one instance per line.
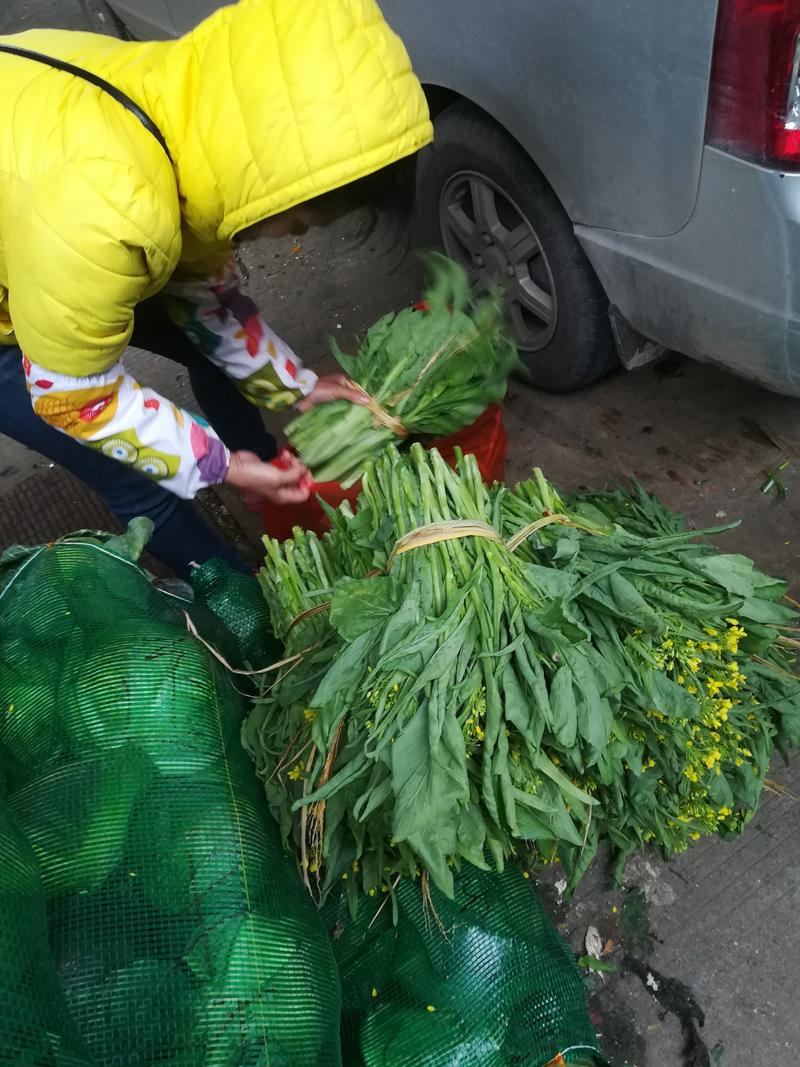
x=228 y=329
x=113 y=414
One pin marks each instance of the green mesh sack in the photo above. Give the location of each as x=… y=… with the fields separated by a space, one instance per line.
x=237 y=602
x=178 y=931
x=483 y=980
x=35 y=1024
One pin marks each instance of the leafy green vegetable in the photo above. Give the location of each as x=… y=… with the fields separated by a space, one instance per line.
x=432 y=373
x=558 y=673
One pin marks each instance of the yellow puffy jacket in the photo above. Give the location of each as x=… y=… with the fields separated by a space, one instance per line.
x=266 y=104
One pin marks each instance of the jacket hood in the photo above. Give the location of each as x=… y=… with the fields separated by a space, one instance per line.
x=271 y=102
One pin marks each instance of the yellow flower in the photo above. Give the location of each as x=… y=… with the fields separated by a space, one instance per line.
x=713 y=757
x=374 y=992
x=713 y=685
x=430 y=1007
x=738 y=761
x=650 y=763
x=710 y=631
x=691 y=774
x=692 y=689
x=309 y=714
x=480 y=733
x=693 y=664
x=725 y=811
x=681 y=679
x=297 y=770
x=695 y=836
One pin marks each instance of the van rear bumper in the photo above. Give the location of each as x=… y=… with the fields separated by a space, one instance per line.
x=726 y=288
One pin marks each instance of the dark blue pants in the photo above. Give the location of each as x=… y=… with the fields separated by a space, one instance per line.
x=181 y=534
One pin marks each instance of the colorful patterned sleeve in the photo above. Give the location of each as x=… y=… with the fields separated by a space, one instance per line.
x=113 y=414
x=228 y=329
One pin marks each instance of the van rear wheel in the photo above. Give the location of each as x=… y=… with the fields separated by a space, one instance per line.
x=484 y=201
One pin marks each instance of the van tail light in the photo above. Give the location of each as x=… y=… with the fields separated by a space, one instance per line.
x=754 y=106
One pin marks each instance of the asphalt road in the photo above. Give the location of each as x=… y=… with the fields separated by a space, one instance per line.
x=726 y=914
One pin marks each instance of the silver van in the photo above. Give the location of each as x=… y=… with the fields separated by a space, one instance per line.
x=630 y=170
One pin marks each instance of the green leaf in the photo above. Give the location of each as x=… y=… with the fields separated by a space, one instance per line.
x=360 y=604
x=719 y=791
x=350 y=772
x=739 y=575
x=564 y=707
x=554 y=582
x=472 y=835
x=595 y=719
x=530 y=671
x=532 y=827
x=403 y=621
x=516 y=708
x=592 y=963
x=543 y=764
x=375 y=794
x=669 y=697
x=345 y=671
x=549 y=810
x=429 y=772
x=754 y=609
x=444 y=658
x=434 y=849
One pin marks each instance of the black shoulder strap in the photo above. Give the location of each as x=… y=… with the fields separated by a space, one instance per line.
x=93 y=79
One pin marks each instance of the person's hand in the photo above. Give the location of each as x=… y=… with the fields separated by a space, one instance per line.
x=287 y=483
x=332 y=387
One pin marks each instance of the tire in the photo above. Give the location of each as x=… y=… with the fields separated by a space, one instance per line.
x=102 y=19
x=557 y=308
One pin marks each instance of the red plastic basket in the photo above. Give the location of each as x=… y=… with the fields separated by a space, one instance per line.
x=485 y=439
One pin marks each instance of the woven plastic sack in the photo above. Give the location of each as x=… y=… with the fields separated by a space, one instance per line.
x=483 y=980
x=486 y=439
x=178 y=932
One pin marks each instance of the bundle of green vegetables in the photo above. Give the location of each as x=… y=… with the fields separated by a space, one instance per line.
x=474 y=672
x=422 y=375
